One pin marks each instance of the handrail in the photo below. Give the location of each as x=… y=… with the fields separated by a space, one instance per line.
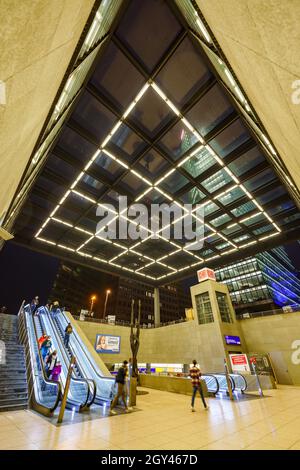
x=241 y=377
x=45 y=378
x=217 y=383
x=101 y=377
x=66 y=360
x=73 y=378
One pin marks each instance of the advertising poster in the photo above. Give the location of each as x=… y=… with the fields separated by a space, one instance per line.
x=107 y=344
x=239 y=363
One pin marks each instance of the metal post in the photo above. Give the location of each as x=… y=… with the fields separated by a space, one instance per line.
x=257 y=380
x=65 y=395
x=228 y=381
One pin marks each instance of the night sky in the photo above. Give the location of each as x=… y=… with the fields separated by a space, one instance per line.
x=25 y=274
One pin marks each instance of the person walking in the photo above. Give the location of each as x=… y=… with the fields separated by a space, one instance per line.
x=120 y=380
x=45 y=347
x=68 y=332
x=51 y=362
x=195 y=375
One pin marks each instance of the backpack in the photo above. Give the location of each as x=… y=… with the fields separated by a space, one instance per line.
x=120 y=378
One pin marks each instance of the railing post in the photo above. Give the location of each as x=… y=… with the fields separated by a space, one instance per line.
x=228 y=380
x=257 y=380
x=66 y=391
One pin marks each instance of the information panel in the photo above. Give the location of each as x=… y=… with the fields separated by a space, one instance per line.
x=239 y=363
x=233 y=340
x=107 y=344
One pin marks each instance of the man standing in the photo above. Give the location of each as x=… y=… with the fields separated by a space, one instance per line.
x=68 y=332
x=195 y=375
x=120 y=380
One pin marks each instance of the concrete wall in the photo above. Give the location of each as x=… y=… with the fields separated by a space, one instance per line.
x=278 y=335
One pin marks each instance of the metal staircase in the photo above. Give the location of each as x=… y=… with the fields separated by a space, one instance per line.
x=13 y=379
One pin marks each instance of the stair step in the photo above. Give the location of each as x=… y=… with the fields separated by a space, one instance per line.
x=21 y=406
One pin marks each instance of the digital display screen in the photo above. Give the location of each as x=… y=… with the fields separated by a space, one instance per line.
x=233 y=340
x=106 y=344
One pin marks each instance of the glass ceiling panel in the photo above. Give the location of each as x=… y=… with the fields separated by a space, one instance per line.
x=222 y=219
x=244 y=209
x=110 y=169
x=51 y=187
x=174 y=182
x=210 y=111
x=76 y=145
x=184 y=73
x=177 y=141
x=216 y=181
x=90 y=186
x=259 y=180
x=256 y=220
x=263 y=230
x=231 y=196
x=126 y=144
x=147 y=37
x=132 y=185
x=210 y=208
x=152 y=165
x=110 y=82
x=199 y=163
x=61 y=167
x=230 y=139
x=92 y=116
x=247 y=161
x=284 y=206
x=151 y=113
x=270 y=195
x=194 y=196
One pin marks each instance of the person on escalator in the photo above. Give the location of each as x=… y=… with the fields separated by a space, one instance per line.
x=34 y=304
x=51 y=362
x=41 y=340
x=55 y=308
x=56 y=371
x=45 y=347
x=68 y=332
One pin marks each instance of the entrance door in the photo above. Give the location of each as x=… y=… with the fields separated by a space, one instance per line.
x=280 y=368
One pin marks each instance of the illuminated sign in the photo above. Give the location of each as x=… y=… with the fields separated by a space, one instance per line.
x=233 y=340
x=106 y=344
x=206 y=273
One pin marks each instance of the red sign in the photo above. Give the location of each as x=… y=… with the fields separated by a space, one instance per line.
x=206 y=273
x=240 y=359
x=253 y=360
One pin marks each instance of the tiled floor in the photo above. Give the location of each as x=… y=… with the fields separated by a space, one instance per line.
x=166 y=422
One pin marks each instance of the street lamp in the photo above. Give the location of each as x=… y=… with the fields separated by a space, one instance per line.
x=105 y=304
x=93 y=298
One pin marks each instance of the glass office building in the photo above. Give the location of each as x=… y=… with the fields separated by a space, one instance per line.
x=265 y=282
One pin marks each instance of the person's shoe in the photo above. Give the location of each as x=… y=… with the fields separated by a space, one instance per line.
x=193 y=409
x=112 y=412
x=206 y=408
x=130 y=408
x=127 y=410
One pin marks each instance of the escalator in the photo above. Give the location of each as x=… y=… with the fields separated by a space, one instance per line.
x=45 y=394
x=237 y=381
x=81 y=392
x=212 y=383
x=87 y=366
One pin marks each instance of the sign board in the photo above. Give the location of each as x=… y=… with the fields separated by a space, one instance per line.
x=83 y=313
x=206 y=273
x=111 y=319
x=239 y=363
x=233 y=340
x=107 y=344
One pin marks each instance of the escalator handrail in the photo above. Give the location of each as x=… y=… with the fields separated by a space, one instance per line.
x=90 y=381
x=102 y=377
x=243 y=379
x=218 y=385
x=63 y=355
x=45 y=378
x=224 y=375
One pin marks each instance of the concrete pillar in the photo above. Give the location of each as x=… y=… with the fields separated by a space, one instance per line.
x=156 y=307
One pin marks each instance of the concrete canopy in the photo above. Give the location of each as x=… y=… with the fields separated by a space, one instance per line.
x=260 y=39
x=38 y=40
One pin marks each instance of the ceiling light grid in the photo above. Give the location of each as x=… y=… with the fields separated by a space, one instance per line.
x=151 y=186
